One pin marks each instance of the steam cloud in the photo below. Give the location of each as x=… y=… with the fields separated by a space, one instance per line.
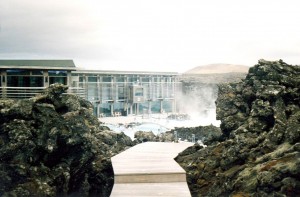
x=198 y=101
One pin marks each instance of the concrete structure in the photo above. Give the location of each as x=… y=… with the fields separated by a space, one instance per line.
x=113 y=93
x=149 y=169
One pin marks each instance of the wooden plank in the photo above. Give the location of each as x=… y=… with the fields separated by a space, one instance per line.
x=151 y=178
x=149 y=169
x=176 y=189
x=150 y=157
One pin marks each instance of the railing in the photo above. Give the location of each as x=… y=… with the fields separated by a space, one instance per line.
x=152 y=92
x=20 y=92
x=81 y=92
x=28 y=92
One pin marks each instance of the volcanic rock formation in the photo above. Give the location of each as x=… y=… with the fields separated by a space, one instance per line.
x=208 y=134
x=259 y=154
x=52 y=145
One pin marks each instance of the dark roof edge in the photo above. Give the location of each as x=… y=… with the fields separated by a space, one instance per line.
x=38 y=67
x=37 y=63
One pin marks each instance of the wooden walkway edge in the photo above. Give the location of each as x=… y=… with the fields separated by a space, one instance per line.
x=149 y=169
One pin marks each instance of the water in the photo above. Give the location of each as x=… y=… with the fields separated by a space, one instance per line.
x=157 y=123
x=129 y=131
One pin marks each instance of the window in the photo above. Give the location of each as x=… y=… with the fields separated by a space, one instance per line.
x=133 y=78
x=56 y=76
x=145 y=79
x=24 y=78
x=139 y=92
x=24 y=81
x=121 y=93
x=81 y=79
x=92 y=88
x=106 y=79
x=120 y=79
x=37 y=72
x=18 y=72
x=106 y=92
x=62 y=80
x=57 y=73
x=92 y=79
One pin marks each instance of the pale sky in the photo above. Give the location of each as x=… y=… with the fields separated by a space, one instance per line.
x=153 y=35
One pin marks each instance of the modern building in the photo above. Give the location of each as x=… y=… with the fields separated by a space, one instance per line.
x=113 y=93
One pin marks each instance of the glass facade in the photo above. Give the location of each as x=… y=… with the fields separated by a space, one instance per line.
x=56 y=76
x=24 y=78
x=105 y=109
x=122 y=94
x=120 y=79
x=17 y=72
x=110 y=93
x=92 y=89
x=25 y=81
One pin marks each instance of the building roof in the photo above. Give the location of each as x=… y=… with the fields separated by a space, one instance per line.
x=114 y=72
x=69 y=65
x=38 y=64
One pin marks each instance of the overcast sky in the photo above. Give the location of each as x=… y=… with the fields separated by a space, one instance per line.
x=154 y=35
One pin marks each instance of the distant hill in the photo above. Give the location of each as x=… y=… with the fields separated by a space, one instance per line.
x=218 y=68
x=215 y=73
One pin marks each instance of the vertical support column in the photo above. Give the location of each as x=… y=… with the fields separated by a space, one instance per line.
x=162 y=87
x=174 y=105
x=69 y=81
x=46 y=79
x=98 y=110
x=100 y=93
x=126 y=95
x=97 y=88
x=193 y=138
x=69 y=78
x=112 y=109
x=111 y=96
x=86 y=86
x=126 y=108
x=130 y=108
x=149 y=107
x=167 y=85
x=4 y=83
x=175 y=89
x=115 y=88
x=161 y=106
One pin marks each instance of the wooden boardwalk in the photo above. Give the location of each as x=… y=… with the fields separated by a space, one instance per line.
x=149 y=169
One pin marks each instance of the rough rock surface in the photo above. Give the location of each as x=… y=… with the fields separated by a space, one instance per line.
x=144 y=136
x=149 y=136
x=259 y=154
x=208 y=134
x=52 y=145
